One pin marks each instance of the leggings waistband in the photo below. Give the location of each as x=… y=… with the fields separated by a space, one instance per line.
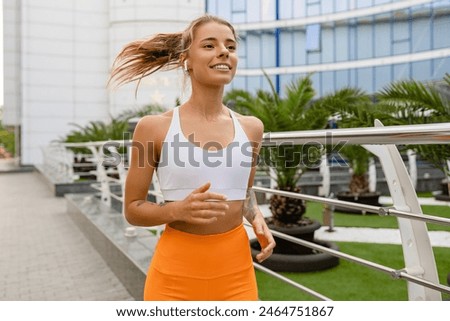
x=202 y=256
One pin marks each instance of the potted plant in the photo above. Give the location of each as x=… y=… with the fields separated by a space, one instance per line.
x=8 y=161
x=417 y=103
x=285 y=163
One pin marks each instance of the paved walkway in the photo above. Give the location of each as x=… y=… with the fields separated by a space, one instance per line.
x=43 y=254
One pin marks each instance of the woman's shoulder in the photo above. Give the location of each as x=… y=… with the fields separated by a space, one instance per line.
x=154 y=125
x=251 y=125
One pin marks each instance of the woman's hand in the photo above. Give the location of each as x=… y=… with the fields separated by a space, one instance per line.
x=201 y=206
x=264 y=237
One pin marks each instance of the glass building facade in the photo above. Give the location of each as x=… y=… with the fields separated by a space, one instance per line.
x=358 y=43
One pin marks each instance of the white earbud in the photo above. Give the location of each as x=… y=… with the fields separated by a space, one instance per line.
x=186 y=66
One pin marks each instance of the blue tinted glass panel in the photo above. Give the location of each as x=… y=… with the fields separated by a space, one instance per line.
x=211 y=6
x=313 y=9
x=378 y=2
x=365 y=79
x=342 y=78
x=268 y=52
x=420 y=38
x=327 y=82
x=440 y=3
x=238 y=5
x=341 y=5
x=237 y=83
x=399 y=48
x=238 y=17
x=264 y=83
x=285 y=9
x=401 y=72
x=315 y=78
x=353 y=78
x=313 y=58
x=286 y=49
x=382 y=39
x=400 y=30
x=253 y=51
x=327 y=6
x=313 y=37
x=364 y=3
x=441 y=67
x=441 y=32
x=242 y=53
x=327 y=45
x=299 y=48
x=253 y=84
x=382 y=77
x=224 y=10
x=267 y=10
x=364 y=39
x=253 y=11
x=299 y=10
x=421 y=70
x=342 y=43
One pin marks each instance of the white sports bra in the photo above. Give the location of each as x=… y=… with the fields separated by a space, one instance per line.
x=184 y=166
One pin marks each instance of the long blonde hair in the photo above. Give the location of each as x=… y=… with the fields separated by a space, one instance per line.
x=141 y=58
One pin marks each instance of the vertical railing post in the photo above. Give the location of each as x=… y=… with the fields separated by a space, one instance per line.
x=412 y=165
x=417 y=249
x=102 y=177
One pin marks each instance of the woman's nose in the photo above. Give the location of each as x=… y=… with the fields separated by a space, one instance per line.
x=224 y=52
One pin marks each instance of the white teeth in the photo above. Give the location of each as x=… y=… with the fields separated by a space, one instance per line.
x=221 y=67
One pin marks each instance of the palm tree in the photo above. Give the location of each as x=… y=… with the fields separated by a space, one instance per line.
x=360 y=112
x=418 y=103
x=296 y=110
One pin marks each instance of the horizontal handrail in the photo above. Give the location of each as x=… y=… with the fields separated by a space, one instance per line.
x=412 y=216
x=289 y=281
x=438 y=133
x=396 y=274
x=356 y=206
x=397 y=135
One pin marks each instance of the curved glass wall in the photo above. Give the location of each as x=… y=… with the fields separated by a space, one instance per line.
x=362 y=43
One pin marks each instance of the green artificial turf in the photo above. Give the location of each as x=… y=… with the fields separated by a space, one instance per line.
x=350 y=281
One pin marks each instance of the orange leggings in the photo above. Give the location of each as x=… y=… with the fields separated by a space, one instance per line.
x=190 y=267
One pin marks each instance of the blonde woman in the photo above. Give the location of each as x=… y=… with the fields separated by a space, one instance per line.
x=204 y=155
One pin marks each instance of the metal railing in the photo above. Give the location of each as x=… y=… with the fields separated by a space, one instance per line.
x=420 y=267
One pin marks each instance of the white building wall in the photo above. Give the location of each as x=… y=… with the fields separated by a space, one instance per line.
x=64 y=66
x=136 y=19
x=58 y=56
x=11 y=62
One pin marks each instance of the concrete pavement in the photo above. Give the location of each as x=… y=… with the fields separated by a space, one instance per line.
x=43 y=254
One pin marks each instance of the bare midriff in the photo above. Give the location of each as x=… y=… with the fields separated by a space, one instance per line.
x=231 y=219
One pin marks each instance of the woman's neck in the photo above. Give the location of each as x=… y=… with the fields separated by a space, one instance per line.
x=208 y=104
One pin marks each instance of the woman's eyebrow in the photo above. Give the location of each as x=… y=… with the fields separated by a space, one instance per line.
x=215 y=39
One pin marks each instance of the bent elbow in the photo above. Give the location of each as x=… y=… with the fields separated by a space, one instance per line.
x=130 y=217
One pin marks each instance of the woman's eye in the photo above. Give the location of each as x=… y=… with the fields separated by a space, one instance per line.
x=208 y=46
x=231 y=47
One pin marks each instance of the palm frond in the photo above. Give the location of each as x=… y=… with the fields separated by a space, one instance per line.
x=415 y=100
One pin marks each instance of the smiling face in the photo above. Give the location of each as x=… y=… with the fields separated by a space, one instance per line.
x=212 y=57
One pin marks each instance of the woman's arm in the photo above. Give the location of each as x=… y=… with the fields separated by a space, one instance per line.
x=147 y=140
x=250 y=209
